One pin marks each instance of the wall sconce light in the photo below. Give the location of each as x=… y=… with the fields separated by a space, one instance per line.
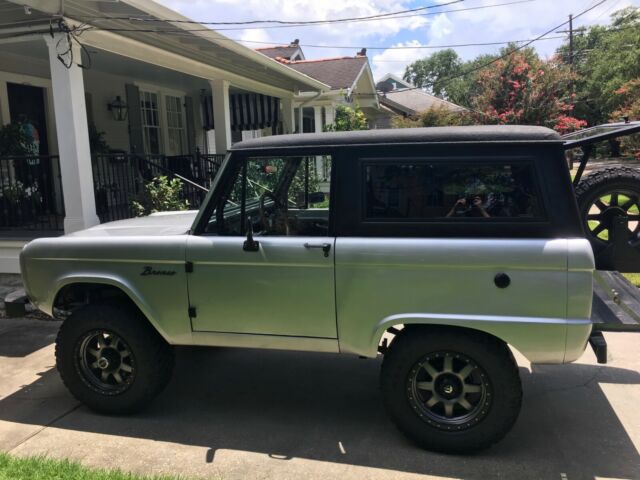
x=118 y=108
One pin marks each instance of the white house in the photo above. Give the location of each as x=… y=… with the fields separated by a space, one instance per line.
x=102 y=85
x=349 y=77
x=400 y=97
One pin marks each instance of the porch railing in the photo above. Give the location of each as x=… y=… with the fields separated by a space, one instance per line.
x=30 y=195
x=119 y=179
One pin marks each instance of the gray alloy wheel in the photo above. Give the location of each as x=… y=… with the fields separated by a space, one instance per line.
x=449 y=391
x=106 y=362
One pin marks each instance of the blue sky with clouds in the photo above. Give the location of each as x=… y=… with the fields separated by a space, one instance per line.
x=523 y=20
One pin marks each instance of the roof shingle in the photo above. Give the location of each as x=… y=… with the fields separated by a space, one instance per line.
x=340 y=72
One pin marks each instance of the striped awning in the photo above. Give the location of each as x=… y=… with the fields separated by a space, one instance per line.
x=248 y=111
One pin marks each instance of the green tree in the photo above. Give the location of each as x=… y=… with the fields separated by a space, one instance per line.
x=429 y=72
x=605 y=58
x=348 y=118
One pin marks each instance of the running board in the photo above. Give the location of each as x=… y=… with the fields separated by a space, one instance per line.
x=616 y=303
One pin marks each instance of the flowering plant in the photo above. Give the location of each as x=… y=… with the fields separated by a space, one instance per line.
x=523 y=89
x=16 y=191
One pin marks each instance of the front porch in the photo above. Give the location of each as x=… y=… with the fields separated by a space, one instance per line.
x=105 y=118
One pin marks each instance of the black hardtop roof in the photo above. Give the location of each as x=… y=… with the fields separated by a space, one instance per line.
x=471 y=134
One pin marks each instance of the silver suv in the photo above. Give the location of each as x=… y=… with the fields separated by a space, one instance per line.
x=441 y=249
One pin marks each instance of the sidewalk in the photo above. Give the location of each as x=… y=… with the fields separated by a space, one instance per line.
x=237 y=414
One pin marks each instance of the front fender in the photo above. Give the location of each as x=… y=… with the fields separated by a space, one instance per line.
x=127 y=288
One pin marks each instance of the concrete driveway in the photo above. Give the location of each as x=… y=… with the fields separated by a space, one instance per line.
x=266 y=414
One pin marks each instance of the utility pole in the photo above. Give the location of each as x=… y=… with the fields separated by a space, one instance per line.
x=571 y=42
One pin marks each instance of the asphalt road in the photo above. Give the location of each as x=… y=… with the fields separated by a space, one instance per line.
x=248 y=414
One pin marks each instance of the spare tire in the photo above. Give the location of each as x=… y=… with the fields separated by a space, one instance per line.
x=602 y=196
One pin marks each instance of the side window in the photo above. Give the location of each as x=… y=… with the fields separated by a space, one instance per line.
x=439 y=191
x=279 y=195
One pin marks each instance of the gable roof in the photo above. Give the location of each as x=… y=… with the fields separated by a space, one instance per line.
x=414 y=100
x=282 y=51
x=390 y=79
x=339 y=72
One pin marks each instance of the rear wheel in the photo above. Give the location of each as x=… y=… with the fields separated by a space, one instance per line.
x=449 y=390
x=111 y=359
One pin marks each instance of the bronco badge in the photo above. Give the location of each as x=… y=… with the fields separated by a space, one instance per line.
x=148 y=270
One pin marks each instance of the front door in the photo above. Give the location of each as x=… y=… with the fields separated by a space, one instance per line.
x=284 y=284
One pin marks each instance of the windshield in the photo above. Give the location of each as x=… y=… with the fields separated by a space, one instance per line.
x=275 y=193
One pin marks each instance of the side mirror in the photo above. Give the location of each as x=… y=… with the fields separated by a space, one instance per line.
x=250 y=245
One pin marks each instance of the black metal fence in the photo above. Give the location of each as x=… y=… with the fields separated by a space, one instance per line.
x=120 y=178
x=31 y=194
x=31 y=187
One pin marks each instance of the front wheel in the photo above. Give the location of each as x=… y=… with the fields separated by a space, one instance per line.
x=451 y=391
x=111 y=359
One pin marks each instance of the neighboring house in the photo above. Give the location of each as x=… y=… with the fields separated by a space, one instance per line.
x=291 y=52
x=144 y=104
x=392 y=82
x=350 y=80
x=399 y=97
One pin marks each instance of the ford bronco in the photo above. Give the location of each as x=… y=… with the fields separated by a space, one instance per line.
x=442 y=249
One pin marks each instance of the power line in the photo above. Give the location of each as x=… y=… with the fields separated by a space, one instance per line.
x=303 y=22
x=268 y=27
x=417 y=47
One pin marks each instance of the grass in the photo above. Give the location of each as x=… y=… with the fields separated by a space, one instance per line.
x=633 y=278
x=41 y=468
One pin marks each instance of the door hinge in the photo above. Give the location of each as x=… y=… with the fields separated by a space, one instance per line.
x=188 y=267
x=192 y=312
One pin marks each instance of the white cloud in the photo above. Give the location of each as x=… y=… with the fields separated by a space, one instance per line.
x=512 y=22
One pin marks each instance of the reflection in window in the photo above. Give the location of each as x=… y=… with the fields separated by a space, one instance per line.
x=418 y=191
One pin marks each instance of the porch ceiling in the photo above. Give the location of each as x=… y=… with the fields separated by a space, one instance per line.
x=192 y=41
x=111 y=63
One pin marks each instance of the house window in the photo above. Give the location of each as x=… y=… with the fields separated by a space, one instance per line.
x=175 y=125
x=150 y=122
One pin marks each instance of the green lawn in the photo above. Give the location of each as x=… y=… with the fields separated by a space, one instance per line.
x=39 y=468
x=633 y=278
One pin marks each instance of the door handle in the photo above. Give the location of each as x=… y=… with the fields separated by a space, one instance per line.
x=326 y=247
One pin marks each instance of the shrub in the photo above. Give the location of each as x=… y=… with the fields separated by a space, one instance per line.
x=347 y=119
x=436 y=116
x=161 y=195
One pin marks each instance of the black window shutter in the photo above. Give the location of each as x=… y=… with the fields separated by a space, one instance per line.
x=134 y=114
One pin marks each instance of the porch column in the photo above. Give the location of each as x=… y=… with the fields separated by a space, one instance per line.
x=288 y=118
x=73 y=136
x=329 y=113
x=317 y=120
x=221 y=114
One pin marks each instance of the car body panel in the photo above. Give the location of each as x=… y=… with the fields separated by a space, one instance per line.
x=48 y=264
x=384 y=282
x=282 y=289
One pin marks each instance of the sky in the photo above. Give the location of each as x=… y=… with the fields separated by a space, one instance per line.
x=524 y=20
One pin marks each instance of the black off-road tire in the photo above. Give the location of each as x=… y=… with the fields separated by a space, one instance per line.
x=496 y=414
x=601 y=182
x=150 y=355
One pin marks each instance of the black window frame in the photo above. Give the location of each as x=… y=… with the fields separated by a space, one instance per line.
x=459 y=161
